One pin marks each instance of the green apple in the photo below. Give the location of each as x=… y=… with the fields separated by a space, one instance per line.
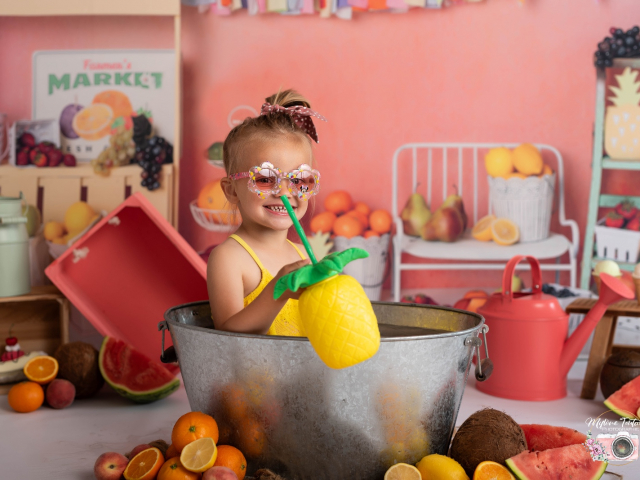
x=34 y=219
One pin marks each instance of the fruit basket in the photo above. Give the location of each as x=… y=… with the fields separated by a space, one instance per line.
x=42 y=131
x=214 y=220
x=617 y=243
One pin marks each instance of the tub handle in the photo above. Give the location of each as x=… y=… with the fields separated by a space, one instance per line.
x=484 y=367
x=169 y=355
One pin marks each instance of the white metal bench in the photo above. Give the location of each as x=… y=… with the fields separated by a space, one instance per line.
x=462 y=164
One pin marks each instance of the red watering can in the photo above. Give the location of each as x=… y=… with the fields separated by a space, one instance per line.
x=528 y=331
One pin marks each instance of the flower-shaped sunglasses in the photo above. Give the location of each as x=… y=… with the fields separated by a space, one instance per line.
x=304 y=181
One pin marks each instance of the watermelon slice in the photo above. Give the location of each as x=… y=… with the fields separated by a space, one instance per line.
x=132 y=374
x=626 y=401
x=544 y=437
x=564 y=463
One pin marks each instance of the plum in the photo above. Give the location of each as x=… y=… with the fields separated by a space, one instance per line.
x=219 y=473
x=60 y=393
x=66 y=120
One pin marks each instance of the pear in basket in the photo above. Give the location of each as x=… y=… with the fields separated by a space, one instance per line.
x=335 y=311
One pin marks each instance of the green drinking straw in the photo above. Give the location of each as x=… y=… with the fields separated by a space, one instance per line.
x=299 y=229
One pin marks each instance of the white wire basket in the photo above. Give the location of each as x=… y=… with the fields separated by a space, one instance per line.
x=215 y=220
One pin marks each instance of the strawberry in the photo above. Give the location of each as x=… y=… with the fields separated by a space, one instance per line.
x=614 y=220
x=634 y=223
x=626 y=209
x=406 y=299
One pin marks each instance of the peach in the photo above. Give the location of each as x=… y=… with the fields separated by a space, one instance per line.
x=139 y=449
x=60 y=393
x=219 y=473
x=110 y=466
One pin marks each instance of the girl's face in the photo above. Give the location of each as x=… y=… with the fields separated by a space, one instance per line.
x=286 y=152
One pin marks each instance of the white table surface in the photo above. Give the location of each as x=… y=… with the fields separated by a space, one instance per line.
x=64 y=444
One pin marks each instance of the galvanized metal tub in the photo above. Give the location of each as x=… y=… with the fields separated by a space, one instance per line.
x=275 y=400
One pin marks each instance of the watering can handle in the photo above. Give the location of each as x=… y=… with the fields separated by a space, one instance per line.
x=169 y=355
x=536 y=274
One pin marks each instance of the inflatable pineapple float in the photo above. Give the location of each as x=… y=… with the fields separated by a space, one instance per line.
x=337 y=315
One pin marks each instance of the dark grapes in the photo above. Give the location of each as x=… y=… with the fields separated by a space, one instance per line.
x=152 y=153
x=619 y=44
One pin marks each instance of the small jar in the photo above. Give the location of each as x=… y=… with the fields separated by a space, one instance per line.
x=620 y=368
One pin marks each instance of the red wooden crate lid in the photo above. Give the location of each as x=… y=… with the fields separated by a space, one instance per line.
x=127 y=271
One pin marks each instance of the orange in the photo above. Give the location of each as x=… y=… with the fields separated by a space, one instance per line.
x=41 y=370
x=53 y=230
x=403 y=471
x=546 y=170
x=26 y=397
x=475 y=304
x=145 y=465
x=476 y=294
x=323 y=222
x=93 y=122
x=362 y=208
x=364 y=220
x=380 y=221
x=492 y=471
x=347 y=226
x=171 y=452
x=527 y=159
x=211 y=197
x=505 y=232
x=252 y=438
x=118 y=102
x=338 y=202
x=192 y=426
x=172 y=469
x=499 y=162
x=235 y=402
x=482 y=230
x=370 y=233
x=232 y=458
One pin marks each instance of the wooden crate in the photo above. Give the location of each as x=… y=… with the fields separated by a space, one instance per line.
x=54 y=189
x=39 y=320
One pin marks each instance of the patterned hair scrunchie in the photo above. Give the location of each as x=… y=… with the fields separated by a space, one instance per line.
x=300 y=115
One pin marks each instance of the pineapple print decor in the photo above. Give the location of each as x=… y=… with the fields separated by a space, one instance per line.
x=337 y=315
x=622 y=121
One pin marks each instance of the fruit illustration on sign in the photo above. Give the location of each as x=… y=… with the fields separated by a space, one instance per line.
x=622 y=120
x=118 y=101
x=93 y=122
x=66 y=120
x=415 y=215
x=212 y=198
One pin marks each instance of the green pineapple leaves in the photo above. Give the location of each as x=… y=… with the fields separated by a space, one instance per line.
x=309 y=275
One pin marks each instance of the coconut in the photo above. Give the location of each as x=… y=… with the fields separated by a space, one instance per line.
x=488 y=434
x=78 y=363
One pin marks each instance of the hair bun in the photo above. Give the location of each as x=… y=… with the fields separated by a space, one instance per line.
x=288 y=98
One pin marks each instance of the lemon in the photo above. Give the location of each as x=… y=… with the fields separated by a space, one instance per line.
x=482 y=230
x=78 y=217
x=403 y=471
x=499 y=162
x=439 y=467
x=546 y=170
x=53 y=230
x=199 y=455
x=527 y=159
x=505 y=232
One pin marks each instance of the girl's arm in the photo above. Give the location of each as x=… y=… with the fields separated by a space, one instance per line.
x=226 y=293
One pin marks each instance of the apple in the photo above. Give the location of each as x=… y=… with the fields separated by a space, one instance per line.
x=69 y=160
x=110 y=466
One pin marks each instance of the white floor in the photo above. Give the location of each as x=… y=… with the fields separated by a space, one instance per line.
x=64 y=444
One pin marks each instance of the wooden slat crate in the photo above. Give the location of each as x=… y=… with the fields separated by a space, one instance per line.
x=54 y=189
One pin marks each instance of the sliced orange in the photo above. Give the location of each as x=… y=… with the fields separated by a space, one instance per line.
x=505 y=232
x=492 y=471
x=145 y=465
x=482 y=230
x=93 y=122
x=41 y=370
x=403 y=471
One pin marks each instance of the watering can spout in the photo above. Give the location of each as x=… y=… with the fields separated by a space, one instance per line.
x=612 y=290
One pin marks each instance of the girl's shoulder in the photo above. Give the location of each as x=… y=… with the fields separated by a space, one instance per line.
x=227 y=252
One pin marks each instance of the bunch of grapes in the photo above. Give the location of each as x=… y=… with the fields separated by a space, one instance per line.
x=619 y=44
x=151 y=152
x=119 y=152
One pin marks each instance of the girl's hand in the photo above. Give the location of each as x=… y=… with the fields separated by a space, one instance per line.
x=292 y=267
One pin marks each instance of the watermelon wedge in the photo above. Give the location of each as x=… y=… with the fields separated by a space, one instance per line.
x=544 y=437
x=132 y=374
x=626 y=401
x=564 y=463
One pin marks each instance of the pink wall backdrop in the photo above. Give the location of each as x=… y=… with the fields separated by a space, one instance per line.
x=489 y=72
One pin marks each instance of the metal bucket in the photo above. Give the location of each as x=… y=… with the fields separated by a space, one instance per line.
x=275 y=400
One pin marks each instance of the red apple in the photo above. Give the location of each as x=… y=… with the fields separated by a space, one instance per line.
x=110 y=466
x=38 y=158
x=69 y=160
x=55 y=157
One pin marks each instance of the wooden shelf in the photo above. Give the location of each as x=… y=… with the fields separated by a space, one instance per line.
x=609 y=164
x=41 y=8
x=82 y=170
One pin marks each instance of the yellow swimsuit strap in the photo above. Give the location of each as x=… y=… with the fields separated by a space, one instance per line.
x=253 y=254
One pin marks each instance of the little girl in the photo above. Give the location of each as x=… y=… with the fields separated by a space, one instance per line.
x=265 y=158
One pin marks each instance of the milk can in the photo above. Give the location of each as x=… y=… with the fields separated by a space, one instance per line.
x=14 y=248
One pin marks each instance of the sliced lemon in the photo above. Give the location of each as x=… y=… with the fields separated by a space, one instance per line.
x=482 y=230
x=505 y=232
x=403 y=471
x=199 y=455
x=492 y=471
x=41 y=370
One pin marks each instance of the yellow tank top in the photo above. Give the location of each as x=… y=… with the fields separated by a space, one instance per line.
x=287 y=322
